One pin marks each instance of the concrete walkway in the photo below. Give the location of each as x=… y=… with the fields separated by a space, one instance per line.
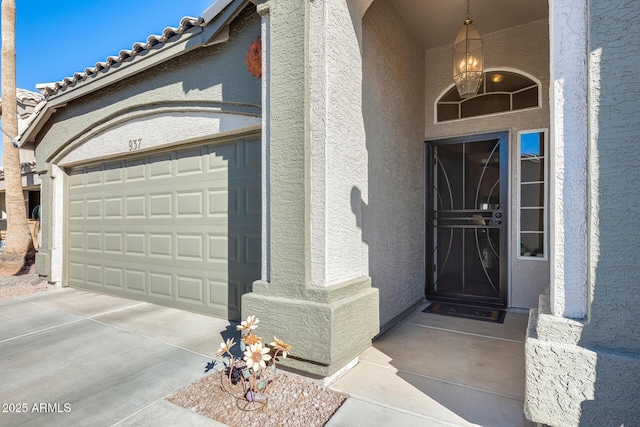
x=433 y=370
x=71 y=357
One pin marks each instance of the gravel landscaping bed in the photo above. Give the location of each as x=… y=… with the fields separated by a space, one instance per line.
x=23 y=283
x=293 y=401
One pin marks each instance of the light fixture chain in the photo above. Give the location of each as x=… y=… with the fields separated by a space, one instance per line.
x=468 y=14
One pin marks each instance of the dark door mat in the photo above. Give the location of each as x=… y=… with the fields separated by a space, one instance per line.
x=475 y=313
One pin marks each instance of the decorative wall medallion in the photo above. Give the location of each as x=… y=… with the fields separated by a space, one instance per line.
x=254 y=58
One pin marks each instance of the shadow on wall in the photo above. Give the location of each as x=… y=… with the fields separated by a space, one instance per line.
x=392 y=219
x=613 y=330
x=227 y=69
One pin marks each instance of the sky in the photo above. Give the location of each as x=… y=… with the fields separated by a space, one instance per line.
x=55 y=39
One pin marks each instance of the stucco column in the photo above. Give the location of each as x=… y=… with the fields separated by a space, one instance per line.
x=328 y=324
x=584 y=371
x=568 y=189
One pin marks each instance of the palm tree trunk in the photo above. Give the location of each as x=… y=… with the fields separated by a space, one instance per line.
x=18 y=240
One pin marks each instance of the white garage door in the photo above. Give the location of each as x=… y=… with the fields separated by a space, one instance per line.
x=179 y=228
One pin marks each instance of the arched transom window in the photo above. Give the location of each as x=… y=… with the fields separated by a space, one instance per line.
x=500 y=91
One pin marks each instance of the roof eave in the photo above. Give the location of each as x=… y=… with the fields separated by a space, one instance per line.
x=215 y=30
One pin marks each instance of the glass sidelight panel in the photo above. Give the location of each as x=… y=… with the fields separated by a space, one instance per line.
x=532 y=194
x=468 y=216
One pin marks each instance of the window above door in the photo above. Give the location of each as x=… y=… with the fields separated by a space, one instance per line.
x=501 y=91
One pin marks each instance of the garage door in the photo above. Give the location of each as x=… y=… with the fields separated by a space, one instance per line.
x=179 y=228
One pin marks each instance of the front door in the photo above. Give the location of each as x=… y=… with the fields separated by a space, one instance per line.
x=467 y=219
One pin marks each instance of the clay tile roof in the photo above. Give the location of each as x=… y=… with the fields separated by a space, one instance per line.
x=186 y=23
x=24 y=96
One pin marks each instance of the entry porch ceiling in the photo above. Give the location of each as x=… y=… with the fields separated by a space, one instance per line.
x=437 y=22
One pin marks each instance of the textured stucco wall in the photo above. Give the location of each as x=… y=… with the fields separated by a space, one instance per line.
x=572 y=383
x=587 y=372
x=209 y=79
x=526 y=49
x=568 y=190
x=338 y=152
x=614 y=176
x=392 y=217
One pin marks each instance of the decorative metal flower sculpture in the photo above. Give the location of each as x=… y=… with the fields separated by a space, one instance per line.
x=247 y=378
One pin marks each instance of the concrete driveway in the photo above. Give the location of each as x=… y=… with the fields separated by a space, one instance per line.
x=71 y=357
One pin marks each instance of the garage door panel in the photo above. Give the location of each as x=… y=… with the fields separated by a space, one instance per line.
x=135 y=206
x=189 y=162
x=135 y=170
x=93 y=274
x=76 y=272
x=189 y=204
x=161 y=245
x=76 y=209
x=190 y=289
x=135 y=244
x=253 y=154
x=94 y=242
x=160 y=166
x=161 y=205
x=220 y=202
x=114 y=278
x=136 y=281
x=113 y=207
x=76 y=240
x=113 y=243
x=160 y=285
x=223 y=157
x=251 y=250
x=114 y=174
x=94 y=176
x=179 y=228
x=190 y=247
x=219 y=248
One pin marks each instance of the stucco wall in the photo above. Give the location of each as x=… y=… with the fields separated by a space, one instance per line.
x=338 y=152
x=392 y=218
x=587 y=371
x=614 y=176
x=526 y=49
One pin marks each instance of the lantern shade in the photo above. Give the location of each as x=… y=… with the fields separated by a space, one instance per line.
x=468 y=60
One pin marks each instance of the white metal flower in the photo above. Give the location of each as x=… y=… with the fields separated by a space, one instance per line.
x=256 y=356
x=249 y=324
x=282 y=346
x=225 y=347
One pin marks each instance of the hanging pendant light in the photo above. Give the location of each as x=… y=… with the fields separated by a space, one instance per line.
x=468 y=59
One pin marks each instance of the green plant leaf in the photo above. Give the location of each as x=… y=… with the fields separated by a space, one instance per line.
x=272 y=368
x=261 y=385
x=243 y=346
x=246 y=373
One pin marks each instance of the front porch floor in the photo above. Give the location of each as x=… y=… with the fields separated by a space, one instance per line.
x=445 y=371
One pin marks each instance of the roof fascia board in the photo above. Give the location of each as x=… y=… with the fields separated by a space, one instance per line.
x=222 y=20
x=35 y=127
x=212 y=11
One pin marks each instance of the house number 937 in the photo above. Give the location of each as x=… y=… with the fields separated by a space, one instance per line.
x=135 y=144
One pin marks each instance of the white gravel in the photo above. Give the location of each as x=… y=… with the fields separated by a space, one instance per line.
x=293 y=400
x=27 y=282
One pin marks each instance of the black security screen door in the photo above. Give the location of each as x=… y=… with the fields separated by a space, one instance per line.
x=466 y=229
